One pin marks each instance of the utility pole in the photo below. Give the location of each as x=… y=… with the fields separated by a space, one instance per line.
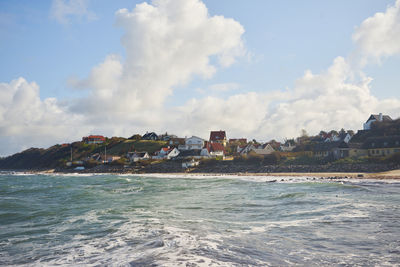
x=105 y=154
x=71 y=154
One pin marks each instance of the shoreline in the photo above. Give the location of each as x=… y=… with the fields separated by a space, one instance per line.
x=392 y=175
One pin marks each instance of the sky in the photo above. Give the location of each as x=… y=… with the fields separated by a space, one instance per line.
x=257 y=69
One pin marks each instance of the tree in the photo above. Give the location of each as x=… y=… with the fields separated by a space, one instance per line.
x=135 y=137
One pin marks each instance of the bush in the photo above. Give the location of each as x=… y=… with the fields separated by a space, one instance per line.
x=119 y=162
x=90 y=163
x=394 y=158
x=209 y=162
x=273 y=158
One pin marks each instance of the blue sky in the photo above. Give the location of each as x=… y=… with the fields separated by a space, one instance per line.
x=280 y=42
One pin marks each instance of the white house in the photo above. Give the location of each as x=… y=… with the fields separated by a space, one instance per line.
x=167 y=153
x=215 y=149
x=137 y=156
x=268 y=149
x=373 y=118
x=194 y=142
x=245 y=150
x=347 y=138
x=190 y=164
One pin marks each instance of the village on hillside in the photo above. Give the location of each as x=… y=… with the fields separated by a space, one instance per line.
x=377 y=142
x=324 y=147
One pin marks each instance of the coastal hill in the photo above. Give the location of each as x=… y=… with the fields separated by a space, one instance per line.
x=58 y=155
x=305 y=151
x=379 y=129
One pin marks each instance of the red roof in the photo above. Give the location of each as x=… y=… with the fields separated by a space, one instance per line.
x=213 y=147
x=96 y=136
x=217 y=135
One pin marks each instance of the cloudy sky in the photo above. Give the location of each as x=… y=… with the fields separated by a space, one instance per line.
x=257 y=69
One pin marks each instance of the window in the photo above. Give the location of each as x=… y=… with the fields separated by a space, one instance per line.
x=385 y=143
x=373 y=144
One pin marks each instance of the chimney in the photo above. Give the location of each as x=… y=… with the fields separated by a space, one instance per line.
x=380 y=117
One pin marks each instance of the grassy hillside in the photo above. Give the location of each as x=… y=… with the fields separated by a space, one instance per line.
x=378 y=129
x=57 y=156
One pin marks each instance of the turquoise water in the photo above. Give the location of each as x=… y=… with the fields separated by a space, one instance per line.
x=197 y=221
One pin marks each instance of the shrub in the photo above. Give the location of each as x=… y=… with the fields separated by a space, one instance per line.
x=394 y=158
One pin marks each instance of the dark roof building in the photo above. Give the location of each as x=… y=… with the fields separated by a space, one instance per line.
x=382 y=142
x=94 y=139
x=150 y=136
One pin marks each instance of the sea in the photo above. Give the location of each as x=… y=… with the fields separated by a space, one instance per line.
x=197 y=220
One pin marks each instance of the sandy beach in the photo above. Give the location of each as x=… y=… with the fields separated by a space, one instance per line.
x=395 y=174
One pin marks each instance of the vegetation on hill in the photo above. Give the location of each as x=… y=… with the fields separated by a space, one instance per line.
x=59 y=155
x=378 y=129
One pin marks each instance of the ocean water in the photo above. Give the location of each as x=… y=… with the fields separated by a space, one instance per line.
x=164 y=220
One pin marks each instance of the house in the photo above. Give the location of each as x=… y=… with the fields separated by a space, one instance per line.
x=150 y=136
x=327 y=150
x=137 y=156
x=331 y=137
x=177 y=142
x=287 y=147
x=352 y=150
x=218 y=137
x=167 y=137
x=110 y=158
x=167 y=153
x=194 y=154
x=190 y=164
x=345 y=137
x=194 y=142
x=264 y=150
x=382 y=146
x=373 y=118
x=243 y=150
x=215 y=149
x=94 y=139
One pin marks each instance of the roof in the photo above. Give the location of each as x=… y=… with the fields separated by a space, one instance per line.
x=137 y=154
x=190 y=153
x=265 y=150
x=217 y=135
x=213 y=147
x=96 y=137
x=382 y=142
x=376 y=117
x=149 y=135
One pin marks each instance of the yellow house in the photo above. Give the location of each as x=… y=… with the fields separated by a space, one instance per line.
x=382 y=146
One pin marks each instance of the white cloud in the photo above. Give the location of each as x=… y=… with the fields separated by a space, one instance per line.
x=379 y=36
x=167 y=44
x=63 y=10
x=330 y=100
x=26 y=120
x=224 y=87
